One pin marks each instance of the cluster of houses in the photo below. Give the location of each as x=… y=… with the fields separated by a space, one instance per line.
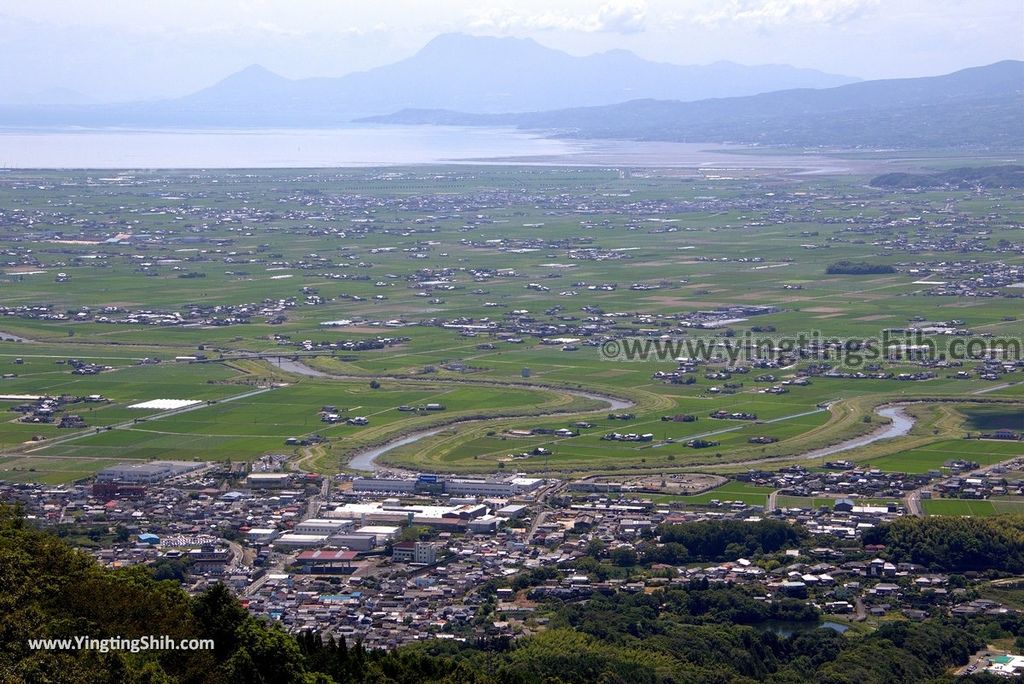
x=968 y=482
x=973 y=278
x=628 y=437
x=331 y=415
x=842 y=479
x=41 y=409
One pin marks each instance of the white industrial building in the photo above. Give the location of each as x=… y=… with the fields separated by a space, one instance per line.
x=322 y=526
x=383 y=533
x=478 y=487
x=261 y=535
x=300 y=541
x=147 y=472
x=449 y=485
x=384 y=484
x=511 y=511
x=355 y=541
x=384 y=512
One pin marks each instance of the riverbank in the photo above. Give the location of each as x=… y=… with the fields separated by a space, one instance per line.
x=366 y=459
x=900 y=424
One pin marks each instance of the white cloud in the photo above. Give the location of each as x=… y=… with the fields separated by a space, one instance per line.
x=617 y=16
x=784 y=12
x=621 y=17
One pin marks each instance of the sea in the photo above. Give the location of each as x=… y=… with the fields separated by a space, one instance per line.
x=118 y=148
x=369 y=145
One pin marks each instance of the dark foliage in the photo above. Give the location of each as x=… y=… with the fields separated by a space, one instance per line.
x=857 y=268
x=1011 y=176
x=955 y=544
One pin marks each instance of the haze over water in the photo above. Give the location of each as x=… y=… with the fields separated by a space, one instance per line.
x=368 y=145
x=275 y=148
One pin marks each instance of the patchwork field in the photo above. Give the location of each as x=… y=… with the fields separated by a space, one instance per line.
x=933 y=456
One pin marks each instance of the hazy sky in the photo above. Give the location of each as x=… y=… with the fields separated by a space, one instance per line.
x=125 y=49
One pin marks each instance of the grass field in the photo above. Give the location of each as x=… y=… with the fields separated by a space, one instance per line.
x=242 y=429
x=50 y=470
x=933 y=456
x=964 y=507
x=728 y=492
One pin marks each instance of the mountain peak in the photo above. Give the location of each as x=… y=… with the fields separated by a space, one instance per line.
x=248 y=85
x=252 y=76
x=255 y=71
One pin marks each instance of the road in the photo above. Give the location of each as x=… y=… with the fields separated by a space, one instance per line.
x=314 y=501
x=986 y=390
x=542 y=507
x=47 y=443
x=237 y=553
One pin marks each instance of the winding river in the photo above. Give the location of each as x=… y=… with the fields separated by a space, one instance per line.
x=901 y=421
x=900 y=425
x=367 y=458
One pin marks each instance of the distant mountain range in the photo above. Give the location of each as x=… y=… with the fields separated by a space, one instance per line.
x=981 y=106
x=479 y=81
x=453 y=71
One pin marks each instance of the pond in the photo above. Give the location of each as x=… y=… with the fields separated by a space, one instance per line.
x=788 y=628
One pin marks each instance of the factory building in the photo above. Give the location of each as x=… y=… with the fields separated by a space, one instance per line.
x=148 y=472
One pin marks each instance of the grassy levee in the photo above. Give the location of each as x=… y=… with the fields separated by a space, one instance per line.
x=844 y=423
x=557 y=404
x=436 y=451
x=559 y=401
x=935 y=419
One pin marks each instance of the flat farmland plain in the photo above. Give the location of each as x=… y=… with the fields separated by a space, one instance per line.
x=490 y=290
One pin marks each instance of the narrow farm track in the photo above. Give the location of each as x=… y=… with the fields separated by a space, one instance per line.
x=45 y=444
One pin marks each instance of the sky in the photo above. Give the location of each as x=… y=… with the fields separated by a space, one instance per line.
x=116 y=50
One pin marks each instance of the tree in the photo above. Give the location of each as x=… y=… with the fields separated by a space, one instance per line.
x=170 y=569
x=624 y=556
